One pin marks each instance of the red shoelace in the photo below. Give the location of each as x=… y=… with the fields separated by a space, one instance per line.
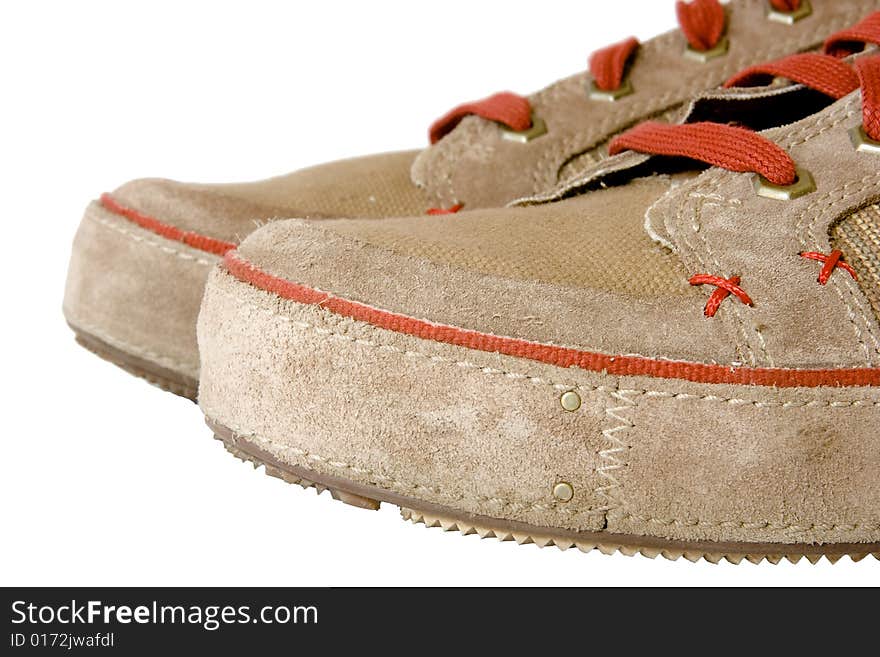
x=702 y=22
x=724 y=145
x=830 y=263
x=724 y=288
x=824 y=73
x=741 y=149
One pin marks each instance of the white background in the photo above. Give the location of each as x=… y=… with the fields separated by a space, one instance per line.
x=105 y=480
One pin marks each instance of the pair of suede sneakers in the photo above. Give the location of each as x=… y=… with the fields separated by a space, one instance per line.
x=637 y=311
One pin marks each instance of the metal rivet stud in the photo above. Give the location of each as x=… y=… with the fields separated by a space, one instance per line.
x=571 y=401
x=612 y=95
x=539 y=128
x=801 y=187
x=704 y=56
x=789 y=17
x=563 y=491
x=862 y=142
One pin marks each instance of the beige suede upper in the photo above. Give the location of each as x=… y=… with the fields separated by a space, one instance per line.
x=502 y=272
x=479 y=432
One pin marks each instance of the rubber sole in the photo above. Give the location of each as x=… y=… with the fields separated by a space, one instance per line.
x=159 y=376
x=431 y=515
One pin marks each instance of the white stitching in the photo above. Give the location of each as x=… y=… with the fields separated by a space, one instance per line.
x=701 y=202
x=754 y=524
x=743 y=348
x=402 y=486
x=840 y=195
x=807 y=132
x=612 y=455
x=525 y=507
x=148 y=242
x=185 y=368
x=614 y=462
x=795 y=138
x=535 y=380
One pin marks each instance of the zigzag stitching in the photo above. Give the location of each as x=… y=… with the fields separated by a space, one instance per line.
x=611 y=455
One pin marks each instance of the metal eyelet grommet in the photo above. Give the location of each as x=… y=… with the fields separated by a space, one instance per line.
x=704 y=56
x=625 y=89
x=801 y=187
x=789 y=17
x=538 y=129
x=862 y=142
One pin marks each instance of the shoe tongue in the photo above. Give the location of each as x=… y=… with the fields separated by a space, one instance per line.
x=756 y=108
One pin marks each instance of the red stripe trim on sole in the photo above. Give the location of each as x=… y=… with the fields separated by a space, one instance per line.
x=553 y=355
x=195 y=240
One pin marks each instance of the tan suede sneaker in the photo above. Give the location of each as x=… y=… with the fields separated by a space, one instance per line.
x=142 y=253
x=683 y=364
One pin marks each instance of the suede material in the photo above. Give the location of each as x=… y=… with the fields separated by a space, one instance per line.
x=378 y=185
x=381 y=186
x=373 y=186
x=460 y=169
x=751 y=464
x=483 y=433
x=719 y=225
x=108 y=296
x=757 y=108
x=121 y=277
x=315 y=391
x=581 y=164
x=716 y=224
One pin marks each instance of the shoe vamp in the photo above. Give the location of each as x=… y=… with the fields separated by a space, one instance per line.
x=581 y=272
x=596 y=241
x=367 y=187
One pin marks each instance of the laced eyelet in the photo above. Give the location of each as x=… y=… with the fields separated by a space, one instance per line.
x=801 y=187
x=703 y=56
x=862 y=142
x=538 y=129
x=789 y=17
x=612 y=95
